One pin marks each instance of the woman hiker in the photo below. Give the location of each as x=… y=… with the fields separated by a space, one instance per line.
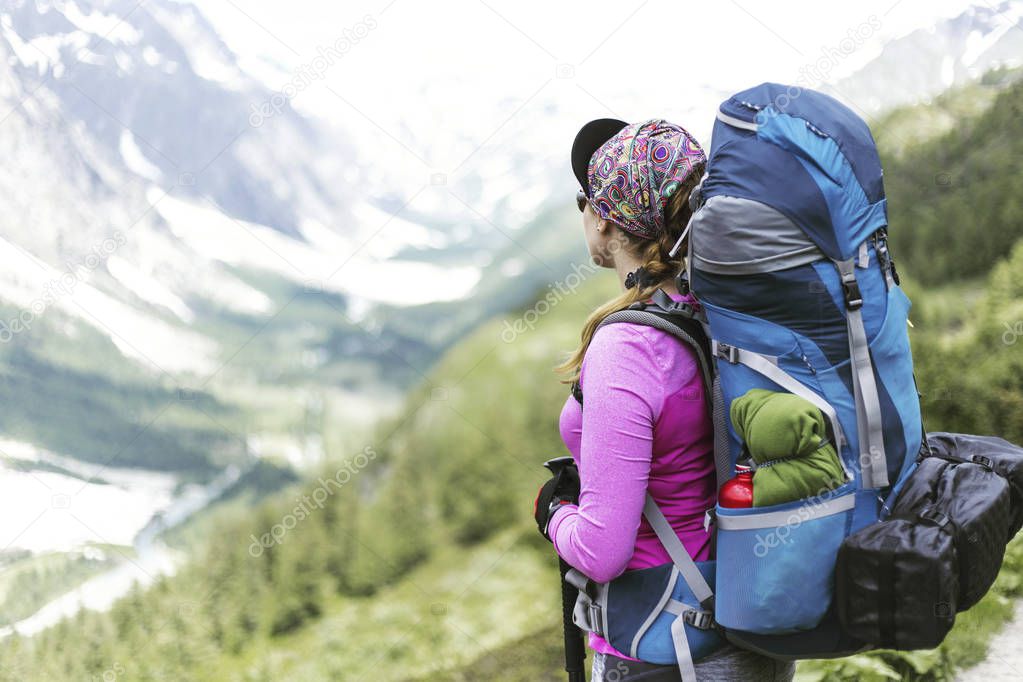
x=646 y=426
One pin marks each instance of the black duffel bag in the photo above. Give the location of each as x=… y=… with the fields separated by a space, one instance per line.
x=976 y=502
x=900 y=582
x=1003 y=456
x=897 y=583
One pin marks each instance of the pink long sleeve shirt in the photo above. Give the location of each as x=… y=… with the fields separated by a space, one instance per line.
x=645 y=426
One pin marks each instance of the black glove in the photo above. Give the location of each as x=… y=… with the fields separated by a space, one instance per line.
x=562 y=488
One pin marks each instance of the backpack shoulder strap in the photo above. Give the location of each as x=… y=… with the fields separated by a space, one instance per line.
x=682 y=321
x=676 y=318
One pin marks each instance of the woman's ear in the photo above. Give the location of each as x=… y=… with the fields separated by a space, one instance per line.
x=616 y=237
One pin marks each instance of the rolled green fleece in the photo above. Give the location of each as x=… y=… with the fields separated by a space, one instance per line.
x=789 y=434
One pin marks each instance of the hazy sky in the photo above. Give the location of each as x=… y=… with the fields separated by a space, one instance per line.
x=442 y=77
x=624 y=40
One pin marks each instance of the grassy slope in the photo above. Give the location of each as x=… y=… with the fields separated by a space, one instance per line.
x=472 y=439
x=905 y=128
x=459 y=605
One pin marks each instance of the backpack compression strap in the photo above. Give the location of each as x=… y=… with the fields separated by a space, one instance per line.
x=873 y=459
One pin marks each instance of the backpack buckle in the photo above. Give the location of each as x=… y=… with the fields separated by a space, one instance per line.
x=683 y=309
x=726 y=352
x=933 y=516
x=699 y=619
x=851 y=292
x=983 y=461
x=709 y=519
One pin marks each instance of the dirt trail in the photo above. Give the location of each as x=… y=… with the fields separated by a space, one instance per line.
x=1005 y=655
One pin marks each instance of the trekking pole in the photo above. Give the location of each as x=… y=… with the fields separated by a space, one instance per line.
x=575 y=653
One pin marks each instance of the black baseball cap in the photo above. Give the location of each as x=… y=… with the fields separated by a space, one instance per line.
x=588 y=140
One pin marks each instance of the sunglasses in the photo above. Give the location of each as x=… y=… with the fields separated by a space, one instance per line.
x=581 y=200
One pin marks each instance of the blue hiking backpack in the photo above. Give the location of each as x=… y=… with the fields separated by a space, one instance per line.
x=788 y=257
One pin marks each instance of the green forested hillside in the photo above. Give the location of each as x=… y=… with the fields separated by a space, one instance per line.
x=416 y=557
x=429 y=522
x=956 y=201
x=90 y=402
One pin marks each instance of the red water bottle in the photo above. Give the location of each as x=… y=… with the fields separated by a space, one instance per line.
x=737 y=493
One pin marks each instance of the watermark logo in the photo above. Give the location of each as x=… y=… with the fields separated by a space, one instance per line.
x=1012 y=332
x=75 y=271
x=781 y=535
x=556 y=294
x=815 y=73
x=314 y=70
x=309 y=503
x=111 y=674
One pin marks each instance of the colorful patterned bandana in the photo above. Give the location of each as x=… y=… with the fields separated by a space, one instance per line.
x=633 y=175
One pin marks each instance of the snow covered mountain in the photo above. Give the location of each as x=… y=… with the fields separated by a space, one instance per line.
x=135 y=173
x=923 y=63
x=158 y=88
